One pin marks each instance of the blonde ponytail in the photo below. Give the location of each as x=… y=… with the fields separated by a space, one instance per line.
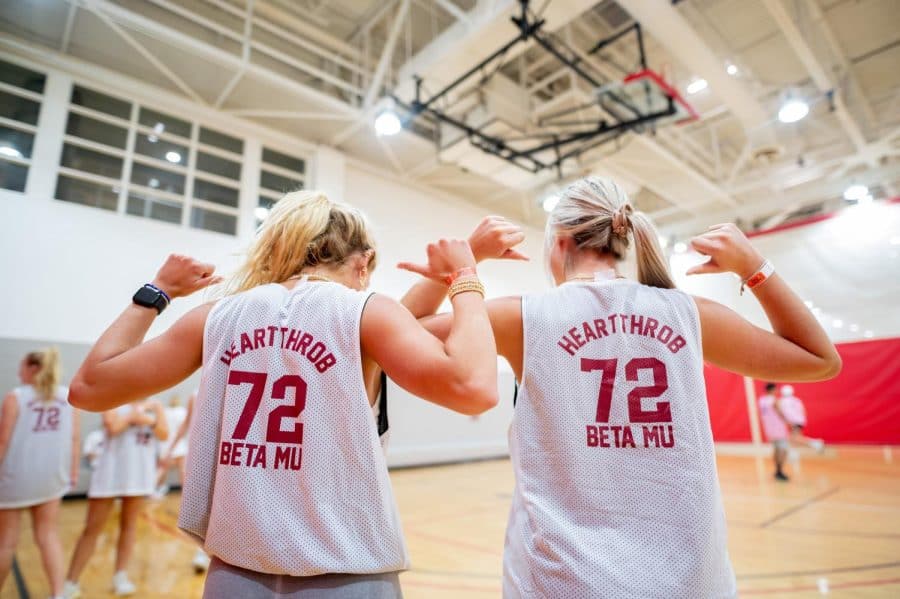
x=304 y=228
x=596 y=214
x=47 y=377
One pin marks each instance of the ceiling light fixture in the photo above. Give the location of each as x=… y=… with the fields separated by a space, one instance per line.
x=174 y=157
x=792 y=111
x=10 y=151
x=550 y=202
x=261 y=212
x=697 y=85
x=731 y=69
x=856 y=192
x=387 y=123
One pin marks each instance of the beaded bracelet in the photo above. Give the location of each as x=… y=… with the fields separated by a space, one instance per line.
x=465 y=285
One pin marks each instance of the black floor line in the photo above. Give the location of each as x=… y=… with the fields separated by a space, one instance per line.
x=797 y=508
x=20 y=580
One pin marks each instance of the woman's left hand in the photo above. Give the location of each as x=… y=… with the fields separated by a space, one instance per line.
x=495 y=237
x=181 y=275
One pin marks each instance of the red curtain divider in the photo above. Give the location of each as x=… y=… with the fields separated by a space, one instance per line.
x=859 y=406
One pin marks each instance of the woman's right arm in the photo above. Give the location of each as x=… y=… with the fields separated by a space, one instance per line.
x=9 y=413
x=114 y=423
x=798 y=349
x=459 y=373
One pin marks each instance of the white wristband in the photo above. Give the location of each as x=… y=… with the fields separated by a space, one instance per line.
x=762 y=274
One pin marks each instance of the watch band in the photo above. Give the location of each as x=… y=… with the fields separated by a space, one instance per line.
x=151 y=296
x=762 y=274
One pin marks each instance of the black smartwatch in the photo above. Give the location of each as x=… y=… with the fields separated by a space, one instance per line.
x=151 y=296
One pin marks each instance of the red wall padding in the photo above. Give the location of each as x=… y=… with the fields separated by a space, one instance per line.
x=727 y=405
x=860 y=406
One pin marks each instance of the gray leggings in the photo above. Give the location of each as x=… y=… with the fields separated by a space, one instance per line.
x=225 y=581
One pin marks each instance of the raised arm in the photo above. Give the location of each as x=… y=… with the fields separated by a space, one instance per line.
x=797 y=350
x=459 y=373
x=185 y=425
x=122 y=368
x=115 y=424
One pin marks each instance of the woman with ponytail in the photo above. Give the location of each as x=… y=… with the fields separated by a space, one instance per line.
x=286 y=483
x=616 y=489
x=39 y=441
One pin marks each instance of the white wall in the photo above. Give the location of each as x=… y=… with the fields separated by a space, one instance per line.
x=70 y=269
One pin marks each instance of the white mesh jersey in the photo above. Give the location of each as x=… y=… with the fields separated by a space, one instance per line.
x=36 y=466
x=616 y=489
x=285 y=472
x=126 y=466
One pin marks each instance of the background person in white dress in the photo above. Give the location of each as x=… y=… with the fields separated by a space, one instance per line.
x=125 y=469
x=173 y=450
x=38 y=461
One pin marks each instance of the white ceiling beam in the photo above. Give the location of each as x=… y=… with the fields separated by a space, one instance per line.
x=663 y=20
x=149 y=56
x=291 y=115
x=215 y=54
x=816 y=71
x=454 y=10
x=389 y=152
x=245 y=57
x=386 y=53
x=67 y=31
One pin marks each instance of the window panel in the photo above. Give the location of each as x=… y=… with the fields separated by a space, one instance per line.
x=12 y=176
x=19 y=109
x=15 y=143
x=163 y=123
x=157 y=178
x=284 y=161
x=151 y=207
x=279 y=183
x=87 y=193
x=88 y=98
x=213 y=221
x=22 y=77
x=218 y=166
x=91 y=162
x=154 y=147
x=94 y=130
x=211 y=192
x=220 y=140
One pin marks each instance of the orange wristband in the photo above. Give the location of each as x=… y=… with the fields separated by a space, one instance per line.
x=466 y=271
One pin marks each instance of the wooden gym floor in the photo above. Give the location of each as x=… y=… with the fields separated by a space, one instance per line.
x=834 y=529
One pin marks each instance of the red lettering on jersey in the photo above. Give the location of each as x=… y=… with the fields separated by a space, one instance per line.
x=259 y=338
x=236 y=454
x=246 y=344
x=272 y=335
x=650 y=327
x=677 y=343
x=624 y=319
x=627 y=438
x=259 y=458
x=665 y=334
x=657 y=436
x=592 y=439
x=288 y=457
x=303 y=343
x=325 y=363
x=225 y=453
x=600 y=324
x=573 y=333
x=637 y=324
x=588 y=332
x=283 y=331
x=612 y=322
x=293 y=337
x=315 y=352
x=568 y=345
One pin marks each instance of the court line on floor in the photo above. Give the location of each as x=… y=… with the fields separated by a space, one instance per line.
x=815 y=587
x=797 y=508
x=843 y=570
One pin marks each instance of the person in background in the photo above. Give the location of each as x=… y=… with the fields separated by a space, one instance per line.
x=173 y=450
x=776 y=429
x=126 y=470
x=38 y=461
x=795 y=414
x=201 y=560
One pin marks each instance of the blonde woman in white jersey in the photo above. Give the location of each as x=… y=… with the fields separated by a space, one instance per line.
x=125 y=470
x=39 y=441
x=286 y=480
x=616 y=490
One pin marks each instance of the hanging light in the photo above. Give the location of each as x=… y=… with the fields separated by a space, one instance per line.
x=793 y=110
x=174 y=157
x=856 y=192
x=731 y=69
x=261 y=212
x=10 y=151
x=387 y=122
x=550 y=202
x=697 y=85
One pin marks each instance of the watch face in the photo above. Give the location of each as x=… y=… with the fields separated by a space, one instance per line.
x=146 y=296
